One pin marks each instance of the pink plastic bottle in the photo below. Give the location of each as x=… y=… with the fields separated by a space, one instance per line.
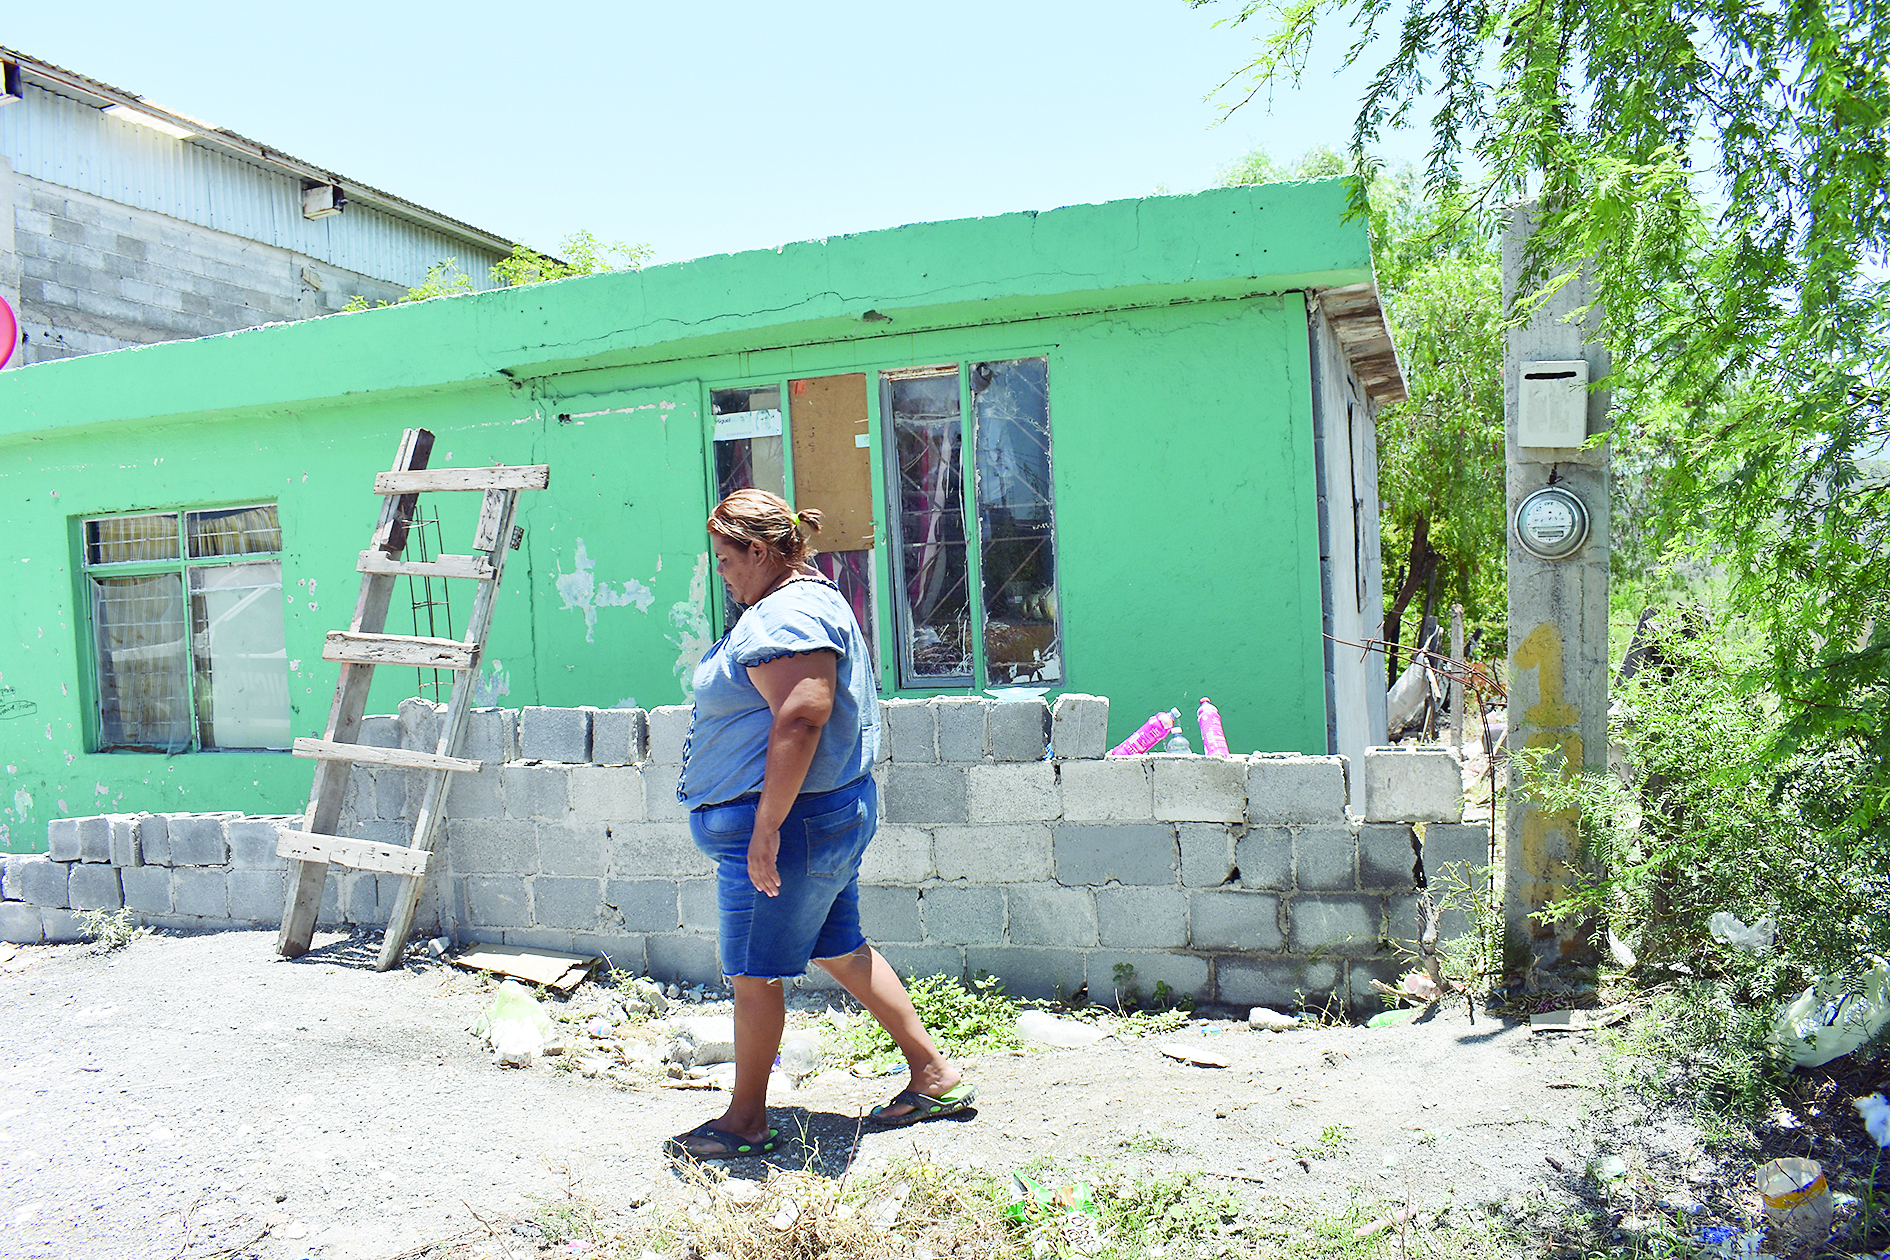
x=1151 y=734
x=1213 y=738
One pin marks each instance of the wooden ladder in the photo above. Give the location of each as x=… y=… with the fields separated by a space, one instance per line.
x=359 y=649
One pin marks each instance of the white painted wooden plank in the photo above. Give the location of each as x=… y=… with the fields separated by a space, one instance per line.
x=499 y=477
x=412 y=651
x=362 y=855
x=486 y=536
x=399 y=758
x=477 y=567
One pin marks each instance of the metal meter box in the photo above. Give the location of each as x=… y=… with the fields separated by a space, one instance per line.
x=1552 y=523
x=1552 y=405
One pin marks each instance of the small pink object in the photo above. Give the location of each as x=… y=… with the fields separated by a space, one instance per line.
x=1152 y=733
x=1213 y=738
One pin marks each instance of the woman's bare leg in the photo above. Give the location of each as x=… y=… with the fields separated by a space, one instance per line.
x=876 y=986
x=760 y=1015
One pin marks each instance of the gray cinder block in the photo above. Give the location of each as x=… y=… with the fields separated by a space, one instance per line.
x=491 y=735
x=560 y=735
x=1031 y=971
x=536 y=792
x=476 y=795
x=201 y=892
x=20 y=923
x=94 y=886
x=619 y=737
x=95 y=838
x=914 y=962
x=62 y=839
x=910 y=727
x=1184 y=974
x=1464 y=847
x=1050 y=914
x=1413 y=785
x=255 y=896
x=1336 y=925
x=420 y=724
x=1129 y=853
x=1295 y=789
x=362 y=899
x=1244 y=921
x=61 y=927
x=1003 y=854
x=253 y=844
x=1012 y=793
x=891 y=914
x=379 y=730
x=154 y=841
x=898 y=855
x=1207 y=855
x=500 y=901
x=11 y=885
x=1281 y=983
x=1142 y=918
x=1326 y=858
x=957 y=915
x=683 y=959
x=1264 y=856
x=1018 y=730
x=659 y=794
x=652 y=905
x=573 y=850
x=147 y=890
x=197 y=840
x=644 y=850
x=669 y=729
x=960 y=727
x=1199 y=789
x=486 y=846
x=1387 y=856
x=924 y=794
x=1114 y=789
x=560 y=901
x=1079 y=725
x=42 y=880
x=125 y=848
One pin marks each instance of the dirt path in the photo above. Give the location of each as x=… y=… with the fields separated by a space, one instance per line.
x=184 y=1094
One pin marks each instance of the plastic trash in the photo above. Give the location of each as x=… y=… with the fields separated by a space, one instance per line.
x=800 y=1056
x=1828 y=1021
x=1756 y=939
x=1875 y=1113
x=1177 y=742
x=1796 y=1200
x=1040 y=1028
x=1032 y=1201
x=1213 y=734
x=515 y=1025
x=1267 y=1020
x=1147 y=736
x=1729 y=1242
x=1386 y=1019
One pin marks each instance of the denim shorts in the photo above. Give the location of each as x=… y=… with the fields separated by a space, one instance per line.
x=817 y=914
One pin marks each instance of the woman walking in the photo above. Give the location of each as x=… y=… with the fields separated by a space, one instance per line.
x=777 y=775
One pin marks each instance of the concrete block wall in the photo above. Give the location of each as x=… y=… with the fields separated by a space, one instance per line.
x=1240 y=881
x=99 y=275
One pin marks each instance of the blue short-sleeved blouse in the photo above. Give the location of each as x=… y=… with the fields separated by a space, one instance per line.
x=728 y=734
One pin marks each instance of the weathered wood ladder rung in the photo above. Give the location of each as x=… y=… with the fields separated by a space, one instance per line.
x=362 y=646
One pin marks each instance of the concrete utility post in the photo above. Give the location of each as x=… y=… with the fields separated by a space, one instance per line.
x=1558 y=591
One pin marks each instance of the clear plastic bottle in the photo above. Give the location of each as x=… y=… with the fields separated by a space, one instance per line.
x=1177 y=741
x=800 y=1056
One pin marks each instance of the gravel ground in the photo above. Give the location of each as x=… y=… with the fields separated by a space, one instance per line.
x=197 y=1096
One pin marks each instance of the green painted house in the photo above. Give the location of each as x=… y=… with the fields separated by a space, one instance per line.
x=1121 y=449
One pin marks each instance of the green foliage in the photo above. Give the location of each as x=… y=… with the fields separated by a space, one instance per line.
x=109 y=928
x=1700 y=1043
x=962 y=1019
x=1721 y=170
x=584 y=255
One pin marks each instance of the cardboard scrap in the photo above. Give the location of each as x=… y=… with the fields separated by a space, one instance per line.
x=563 y=972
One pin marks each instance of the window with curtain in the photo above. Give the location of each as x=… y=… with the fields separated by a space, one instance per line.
x=187 y=629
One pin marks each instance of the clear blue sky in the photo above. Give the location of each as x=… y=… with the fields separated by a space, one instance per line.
x=708 y=128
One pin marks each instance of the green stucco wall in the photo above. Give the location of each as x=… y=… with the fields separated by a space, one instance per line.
x=1180 y=404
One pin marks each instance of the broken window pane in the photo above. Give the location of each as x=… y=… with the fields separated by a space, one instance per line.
x=129 y=539
x=748 y=452
x=1016 y=529
x=934 y=603
x=243 y=531
x=237 y=646
x=143 y=687
x=852 y=572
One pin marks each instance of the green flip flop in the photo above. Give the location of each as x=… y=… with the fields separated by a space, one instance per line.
x=958 y=1098
x=734 y=1145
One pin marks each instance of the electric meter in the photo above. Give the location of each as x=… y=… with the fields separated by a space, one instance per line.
x=1551 y=524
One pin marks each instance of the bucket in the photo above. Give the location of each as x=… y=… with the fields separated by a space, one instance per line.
x=1797 y=1201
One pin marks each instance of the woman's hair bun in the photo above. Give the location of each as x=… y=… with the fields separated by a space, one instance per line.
x=810 y=519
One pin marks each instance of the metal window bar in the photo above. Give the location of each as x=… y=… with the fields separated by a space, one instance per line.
x=432 y=605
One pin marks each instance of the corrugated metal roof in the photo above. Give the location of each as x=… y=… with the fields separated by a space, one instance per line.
x=223 y=181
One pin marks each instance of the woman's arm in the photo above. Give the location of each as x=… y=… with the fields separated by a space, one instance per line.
x=799 y=691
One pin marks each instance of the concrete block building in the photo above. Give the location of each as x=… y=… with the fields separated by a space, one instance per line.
x=123 y=223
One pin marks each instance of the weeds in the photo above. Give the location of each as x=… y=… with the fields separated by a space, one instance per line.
x=1333 y=1141
x=963 y=1019
x=111 y=929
